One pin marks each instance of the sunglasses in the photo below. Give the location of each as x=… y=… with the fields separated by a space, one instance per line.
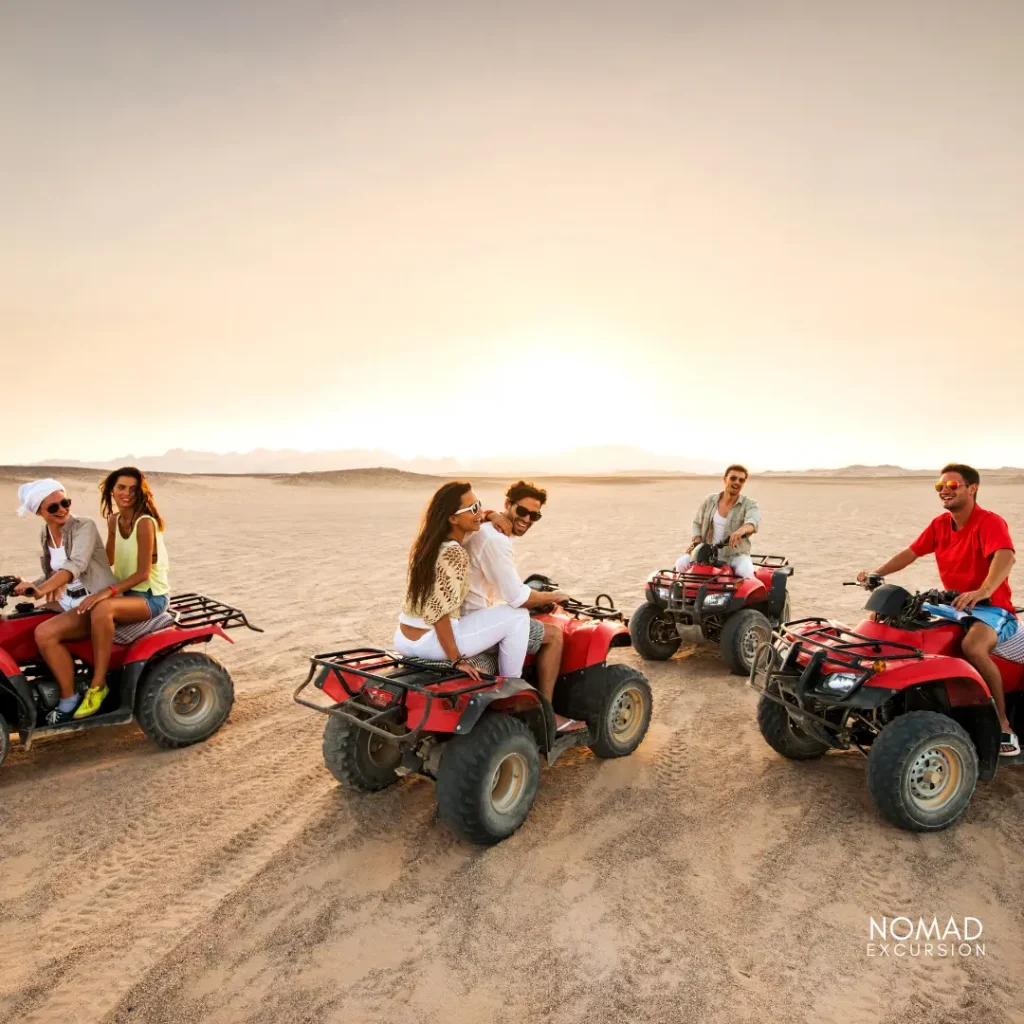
x=474 y=508
x=947 y=485
x=527 y=513
x=55 y=506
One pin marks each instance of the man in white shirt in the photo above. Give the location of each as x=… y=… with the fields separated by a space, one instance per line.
x=494 y=579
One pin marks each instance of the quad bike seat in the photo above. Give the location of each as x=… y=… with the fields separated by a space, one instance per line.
x=129 y=632
x=1012 y=649
x=486 y=662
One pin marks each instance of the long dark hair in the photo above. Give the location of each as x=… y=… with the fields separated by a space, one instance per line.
x=434 y=530
x=145 y=505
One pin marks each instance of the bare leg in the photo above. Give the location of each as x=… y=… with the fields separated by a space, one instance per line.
x=51 y=636
x=549 y=660
x=977 y=648
x=104 y=618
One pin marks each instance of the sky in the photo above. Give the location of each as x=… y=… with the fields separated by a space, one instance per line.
x=786 y=233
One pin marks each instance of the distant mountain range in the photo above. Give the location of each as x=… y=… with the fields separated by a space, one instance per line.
x=583 y=460
x=590 y=461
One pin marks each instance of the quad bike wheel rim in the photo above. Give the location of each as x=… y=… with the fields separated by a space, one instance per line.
x=752 y=641
x=381 y=752
x=936 y=777
x=193 y=702
x=508 y=783
x=662 y=631
x=626 y=717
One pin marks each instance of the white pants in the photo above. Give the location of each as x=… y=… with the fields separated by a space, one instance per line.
x=475 y=632
x=742 y=565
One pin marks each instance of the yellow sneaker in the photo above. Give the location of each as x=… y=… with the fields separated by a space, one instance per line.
x=91 y=702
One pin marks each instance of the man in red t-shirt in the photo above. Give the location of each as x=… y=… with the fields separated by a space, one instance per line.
x=974 y=554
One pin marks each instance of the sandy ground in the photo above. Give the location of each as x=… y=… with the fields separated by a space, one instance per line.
x=702 y=879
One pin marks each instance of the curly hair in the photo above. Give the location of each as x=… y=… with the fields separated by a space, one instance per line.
x=434 y=530
x=145 y=504
x=521 y=489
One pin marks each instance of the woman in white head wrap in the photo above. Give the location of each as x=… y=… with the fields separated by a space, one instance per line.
x=74 y=564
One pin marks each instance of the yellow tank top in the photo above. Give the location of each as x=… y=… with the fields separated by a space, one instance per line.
x=126 y=559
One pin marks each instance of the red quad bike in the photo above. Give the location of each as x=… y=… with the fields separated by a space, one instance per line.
x=737 y=614
x=481 y=741
x=178 y=697
x=898 y=689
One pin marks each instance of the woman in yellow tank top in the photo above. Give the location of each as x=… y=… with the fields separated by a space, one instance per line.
x=136 y=551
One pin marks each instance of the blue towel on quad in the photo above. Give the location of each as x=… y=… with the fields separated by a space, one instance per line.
x=1002 y=621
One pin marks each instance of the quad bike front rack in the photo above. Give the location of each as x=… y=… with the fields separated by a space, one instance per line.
x=383 y=671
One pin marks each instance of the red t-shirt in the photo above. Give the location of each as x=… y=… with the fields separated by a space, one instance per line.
x=965 y=555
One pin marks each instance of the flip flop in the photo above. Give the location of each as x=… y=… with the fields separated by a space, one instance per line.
x=1009 y=745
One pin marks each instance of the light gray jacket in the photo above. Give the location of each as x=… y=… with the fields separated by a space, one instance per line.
x=86 y=554
x=746 y=510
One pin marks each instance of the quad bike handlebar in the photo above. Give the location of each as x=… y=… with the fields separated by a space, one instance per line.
x=870 y=582
x=7 y=585
x=602 y=608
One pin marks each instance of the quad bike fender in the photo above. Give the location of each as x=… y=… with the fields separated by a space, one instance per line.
x=13 y=681
x=750 y=591
x=777 y=591
x=962 y=683
x=588 y=641
x=513 y=695
x=150 y=646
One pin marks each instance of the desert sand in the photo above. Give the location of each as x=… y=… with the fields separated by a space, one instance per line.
x=702 y=879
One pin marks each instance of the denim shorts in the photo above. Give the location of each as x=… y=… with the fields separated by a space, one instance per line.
x=157 y=602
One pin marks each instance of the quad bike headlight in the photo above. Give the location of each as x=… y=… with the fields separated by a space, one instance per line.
x=716 y=600
x=841 y=683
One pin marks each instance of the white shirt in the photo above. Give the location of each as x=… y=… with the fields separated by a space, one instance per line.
x=719 y=528
x=493 y=577
x=58 y=558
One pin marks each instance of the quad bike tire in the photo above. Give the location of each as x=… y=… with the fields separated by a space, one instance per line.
x=922 y=770
x=783 y=735
x=5 y=739
x=741 y=636
x=651 y=631
x=487 y=780
x=184 y=699
x=357 y=758
x=617 y=711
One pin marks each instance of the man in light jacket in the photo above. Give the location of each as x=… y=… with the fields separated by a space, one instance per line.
x=726 y=516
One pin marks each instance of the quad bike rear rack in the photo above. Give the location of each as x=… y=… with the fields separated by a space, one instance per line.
x=192 y=611
x=770 y=561
x=383 y=671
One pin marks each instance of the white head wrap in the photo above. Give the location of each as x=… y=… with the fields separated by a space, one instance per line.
x=31 y=494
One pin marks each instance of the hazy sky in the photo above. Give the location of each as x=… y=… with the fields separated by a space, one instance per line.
x=789 y=233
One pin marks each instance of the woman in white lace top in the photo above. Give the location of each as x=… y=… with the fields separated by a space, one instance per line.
x=431 y=625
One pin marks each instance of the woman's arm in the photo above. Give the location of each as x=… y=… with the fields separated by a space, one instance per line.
x=43 y=589
x=446 y=638
x=111 y=542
